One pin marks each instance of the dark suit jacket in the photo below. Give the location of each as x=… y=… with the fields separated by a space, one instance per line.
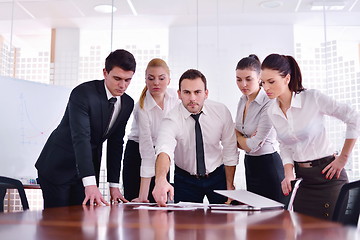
x=74 y=148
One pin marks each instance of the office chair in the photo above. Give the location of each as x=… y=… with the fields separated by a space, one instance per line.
x=10 y=183
x=347 y=206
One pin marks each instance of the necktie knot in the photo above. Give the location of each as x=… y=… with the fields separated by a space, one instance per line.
x=112 y=100
x=196 y=116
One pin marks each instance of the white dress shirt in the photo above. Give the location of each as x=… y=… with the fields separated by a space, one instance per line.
x=149 y=120
x=256 y=121
x=134 y=131
x=177 y=137
x=302 y=134
x=91 y=180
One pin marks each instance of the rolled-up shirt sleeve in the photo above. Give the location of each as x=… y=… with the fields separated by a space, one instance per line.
x=229 y=142
x=262 y=132
x=286 y=154
x=341 y=111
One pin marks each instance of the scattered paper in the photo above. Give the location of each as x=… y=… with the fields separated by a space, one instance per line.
x=168 y=208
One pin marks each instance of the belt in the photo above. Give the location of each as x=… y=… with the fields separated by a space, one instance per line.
x=316 y=162
x=182 y=172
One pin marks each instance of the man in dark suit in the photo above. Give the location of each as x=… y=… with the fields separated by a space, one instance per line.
x=69 y=164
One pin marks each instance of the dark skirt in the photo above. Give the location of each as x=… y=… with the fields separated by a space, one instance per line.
x=131 y=172
x=264 y=175
x=317 y=195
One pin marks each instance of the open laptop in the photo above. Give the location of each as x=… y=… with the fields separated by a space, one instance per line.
x=251 y=201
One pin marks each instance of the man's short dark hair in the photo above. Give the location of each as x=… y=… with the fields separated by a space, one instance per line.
x=192 y=74
x=122 y=59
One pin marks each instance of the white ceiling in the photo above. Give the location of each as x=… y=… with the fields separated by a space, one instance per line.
x=37 y=15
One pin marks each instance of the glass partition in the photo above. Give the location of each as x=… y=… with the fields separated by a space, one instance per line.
x=209 y=35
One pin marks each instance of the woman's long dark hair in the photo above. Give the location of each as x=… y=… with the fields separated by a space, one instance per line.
x=251 y=62
x=285 y=65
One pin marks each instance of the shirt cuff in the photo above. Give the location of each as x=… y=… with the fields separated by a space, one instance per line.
x=90 y=180
x=114 y=185
x=165 y=150
x=351 y=134
x=147 y=172
x=252 y=145
x=287 y=160
x=232 y=162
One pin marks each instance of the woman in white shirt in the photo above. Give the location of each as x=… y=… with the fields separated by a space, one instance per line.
x=139 y=159
x=255 y=134
x=298 y=117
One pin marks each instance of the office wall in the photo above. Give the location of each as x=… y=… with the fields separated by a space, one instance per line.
x=215 y=51
x=29 y=113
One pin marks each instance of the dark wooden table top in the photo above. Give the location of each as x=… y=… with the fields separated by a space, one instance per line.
x=31 y=186
x=123 y=222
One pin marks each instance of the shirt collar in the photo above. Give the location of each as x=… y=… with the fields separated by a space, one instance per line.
x=259 y=99
x=150 y=103
x=296 y=100
x=109 y=95
x=295 y=103
x=187 y=114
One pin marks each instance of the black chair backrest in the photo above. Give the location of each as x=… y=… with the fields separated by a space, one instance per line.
x=10 y=183
x=347 y=207
x=289 y=200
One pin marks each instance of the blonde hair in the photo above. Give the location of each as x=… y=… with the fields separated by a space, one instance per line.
x=155 y=62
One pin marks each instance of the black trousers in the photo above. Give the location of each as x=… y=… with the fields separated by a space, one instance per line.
x=131 y=172
x=264 y=175
x=189 y=188
x=68 y=194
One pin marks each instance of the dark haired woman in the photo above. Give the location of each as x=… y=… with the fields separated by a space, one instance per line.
x=298 y=117
x=263 y=167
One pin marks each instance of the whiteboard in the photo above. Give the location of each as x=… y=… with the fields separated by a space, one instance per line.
x=29 y=113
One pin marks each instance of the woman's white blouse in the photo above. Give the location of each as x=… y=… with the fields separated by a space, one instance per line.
x=301 y=133
x=261 y=136
x=148 y=120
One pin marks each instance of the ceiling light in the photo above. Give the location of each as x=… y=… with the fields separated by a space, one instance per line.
x=328 y=5
x=131 y=5
x=105 y=8
x=271 y=4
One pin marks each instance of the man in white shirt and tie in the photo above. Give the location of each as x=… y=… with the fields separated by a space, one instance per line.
x=178 y=141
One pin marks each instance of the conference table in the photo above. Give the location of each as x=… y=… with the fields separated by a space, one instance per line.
x=122 y=221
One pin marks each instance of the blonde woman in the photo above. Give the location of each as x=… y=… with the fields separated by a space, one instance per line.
x=139 y=161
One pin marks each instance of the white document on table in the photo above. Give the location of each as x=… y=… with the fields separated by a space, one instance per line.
x=181 y=206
